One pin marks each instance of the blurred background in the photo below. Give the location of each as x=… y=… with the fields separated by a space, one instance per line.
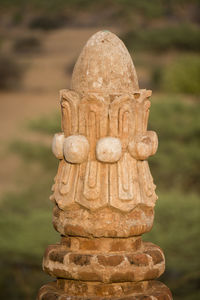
x=39 y=43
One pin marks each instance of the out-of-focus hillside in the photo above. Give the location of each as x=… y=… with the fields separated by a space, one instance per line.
x=39 y=43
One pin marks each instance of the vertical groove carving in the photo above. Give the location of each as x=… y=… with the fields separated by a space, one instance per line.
x=104 y=191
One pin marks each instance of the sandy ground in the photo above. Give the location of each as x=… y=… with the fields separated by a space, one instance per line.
x=47 y=72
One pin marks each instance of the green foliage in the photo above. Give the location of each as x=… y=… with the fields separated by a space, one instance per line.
x=22 y=279
x=28 y=233
x=34 y=153
x=176 y=230
x=25 y=217
x=181 y=37
x=46 y=124
x=50 y=6
x=176 y=164
x=146 y=9
x=182 y=75
x=48 y=22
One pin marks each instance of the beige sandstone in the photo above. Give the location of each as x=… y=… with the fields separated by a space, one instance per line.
x=57 y=145
x=104 y=193
x=76 y=149
x=108 y=149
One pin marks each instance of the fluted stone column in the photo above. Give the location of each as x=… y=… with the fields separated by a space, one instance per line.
x=104 y=193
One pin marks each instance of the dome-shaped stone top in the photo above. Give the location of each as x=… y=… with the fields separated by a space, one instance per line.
x=104 y=65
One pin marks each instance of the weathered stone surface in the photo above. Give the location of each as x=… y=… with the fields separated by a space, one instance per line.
x=108 y=150
x=104 y=193
x=107 y=167
x=122 y=277
x=119 y=266
x=100 y=245
x=100 y=289
x=76 y=148
x=80 y=259
x=110 y=260
x=123 y=291
x=57 y=145
x=143 y=146
x=103 y=223
x=156 y=256
x=138 y=259
x=151 y=274
x=58 y=256
x=104 y=65
x=49 y=248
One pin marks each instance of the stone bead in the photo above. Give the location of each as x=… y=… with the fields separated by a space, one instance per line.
x=76 y=148
x=108 y=149
x=57 y=145
x=143 y=146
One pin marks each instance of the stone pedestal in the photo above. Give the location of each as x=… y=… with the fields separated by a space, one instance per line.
x=104 y=193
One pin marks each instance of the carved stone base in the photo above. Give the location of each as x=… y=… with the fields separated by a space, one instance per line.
x=121 y=291
x=147 y=263
x=105 y=222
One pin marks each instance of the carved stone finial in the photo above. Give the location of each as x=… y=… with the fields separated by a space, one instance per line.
x=104 y=193
x=104 y=66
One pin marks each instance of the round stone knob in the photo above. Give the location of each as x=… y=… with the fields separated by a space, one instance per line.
x=76 y=148
x=108 y=149
x=143 y=146
x=57 y=145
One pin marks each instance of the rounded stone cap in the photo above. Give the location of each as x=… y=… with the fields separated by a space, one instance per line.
x=104 y=65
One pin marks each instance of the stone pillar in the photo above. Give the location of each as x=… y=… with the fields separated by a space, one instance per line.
x=104 y=193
